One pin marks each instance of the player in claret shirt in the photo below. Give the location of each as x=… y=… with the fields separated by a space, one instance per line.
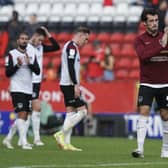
x=152 y=50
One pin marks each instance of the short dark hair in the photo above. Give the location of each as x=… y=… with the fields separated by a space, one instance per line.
x=148 y=11
x=40 y=31
x=23 y=32
x=82 y=29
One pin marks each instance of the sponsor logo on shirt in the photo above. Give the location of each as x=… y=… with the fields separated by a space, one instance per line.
x=148 y=42
x=71 y=53
x=159 y=59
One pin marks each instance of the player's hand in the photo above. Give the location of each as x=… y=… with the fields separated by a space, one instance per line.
x=19 y=61
x=27 y=59
x=166 y=30
x=77 y=91
x=46 y=31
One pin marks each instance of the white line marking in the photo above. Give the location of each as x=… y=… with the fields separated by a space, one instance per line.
x=93 y=165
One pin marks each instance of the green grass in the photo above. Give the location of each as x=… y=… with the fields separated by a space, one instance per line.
x=98 y=153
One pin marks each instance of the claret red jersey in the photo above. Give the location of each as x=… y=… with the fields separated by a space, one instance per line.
x=153 y=58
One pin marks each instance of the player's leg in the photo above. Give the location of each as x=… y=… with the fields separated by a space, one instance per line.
x=21 y=121
x=164 y=116
x=145 y=99
x=7 y=140
x=36 y=109
x=162 y=101
x=72 y=117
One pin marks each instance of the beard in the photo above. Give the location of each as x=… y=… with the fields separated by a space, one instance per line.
x=154 y=30
x=23 y=47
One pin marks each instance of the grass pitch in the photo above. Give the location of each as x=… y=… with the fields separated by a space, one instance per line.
x=97 y=153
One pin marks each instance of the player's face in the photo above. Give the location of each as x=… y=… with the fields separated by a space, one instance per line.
x=152 y=23
x=23 y=41
x=84 y=37
x=38 y=40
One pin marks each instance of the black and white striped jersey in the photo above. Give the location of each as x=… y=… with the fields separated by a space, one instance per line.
x=39 y=55
x=39 y=51
x=21 y=76
x=70 y=64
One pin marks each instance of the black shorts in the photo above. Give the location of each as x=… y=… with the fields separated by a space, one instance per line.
x=69 y=97
x=21 y=102
x=147 y=95
x=36 y=90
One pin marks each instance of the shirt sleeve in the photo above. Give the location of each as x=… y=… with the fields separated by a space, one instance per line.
x=71 y=56
x=53 y=47
x=35 y=67
x=146 y=51
x=10 y=69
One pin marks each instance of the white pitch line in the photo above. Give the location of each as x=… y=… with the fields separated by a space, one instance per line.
x=93 y=165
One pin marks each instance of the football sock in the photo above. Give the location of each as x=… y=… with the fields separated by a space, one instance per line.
x=67 y=132
x=165 y=136
x=141 y=131
x=74 y=119
x=21 y=129
x=27 y=124
x=12 y=131
x=36 y=125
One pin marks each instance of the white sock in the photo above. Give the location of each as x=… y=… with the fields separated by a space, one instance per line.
x=28 y=122
x=68 y=132
x=74 y=119
x=12 y=131
x=141 y=131
x=36 y=125
x=165 y=136
x=21 y=129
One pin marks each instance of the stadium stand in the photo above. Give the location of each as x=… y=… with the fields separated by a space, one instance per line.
x=116 y=23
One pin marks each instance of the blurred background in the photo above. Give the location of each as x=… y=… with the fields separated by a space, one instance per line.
x=110 y=67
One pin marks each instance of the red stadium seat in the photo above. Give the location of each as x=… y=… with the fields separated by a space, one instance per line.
x=135 y=63
x=64 y=37
x=116 y=49
x=123 y=63
x=86 y=50
x=117 y=38
x=103 y=37
x=134 y=74
x=129 y=38
x=121 y=74
x=128 y=50
x=92 y=37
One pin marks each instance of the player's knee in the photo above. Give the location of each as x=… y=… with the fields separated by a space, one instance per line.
x=144 y=110
x=83 y=112
x=36 y=106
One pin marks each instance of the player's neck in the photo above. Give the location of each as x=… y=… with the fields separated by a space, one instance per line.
x=153 y=34
x=21 y=50
x=75 y=41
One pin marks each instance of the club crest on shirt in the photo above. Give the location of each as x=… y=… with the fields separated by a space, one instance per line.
x=20 y=105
